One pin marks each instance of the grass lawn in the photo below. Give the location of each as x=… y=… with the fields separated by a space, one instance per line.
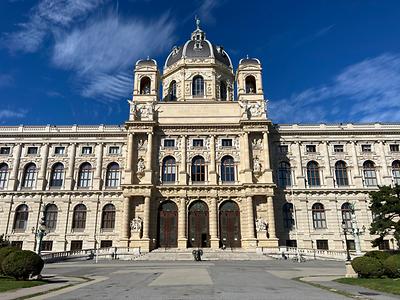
x=387 y=285
x=7 y=284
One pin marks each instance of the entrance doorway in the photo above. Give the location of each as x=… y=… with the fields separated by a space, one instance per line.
x=229 y=221
x=198 y=225
x=168 y=225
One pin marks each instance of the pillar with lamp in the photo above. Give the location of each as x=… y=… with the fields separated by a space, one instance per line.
x=40 y=234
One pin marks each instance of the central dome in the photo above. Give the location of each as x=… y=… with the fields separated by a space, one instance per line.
x=198 y=47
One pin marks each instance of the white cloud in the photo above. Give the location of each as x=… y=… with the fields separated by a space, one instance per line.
x=9 y=114
x=45 y=17
x=206 y=8
x=367 y=91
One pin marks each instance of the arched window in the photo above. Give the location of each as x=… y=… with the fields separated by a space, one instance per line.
x=395 y=171
x=79 y=217
x=341 y=173
x=288 y=215
x=284 y=174
x=169 y=169
x=112 y=175
x=250 y=84
x=318 y=214
x=172 y=91
x=108 y=217
x=145 y=84
x=346 y=215
x=227 y=169
x=21 y=217
x=198 y=169
x=313 y=174
x=369 y=173
x=85 y=175
x=50 y=216
x=57 y=175
x=29 y=176
x=3 y=175
x=198 y=86
x=222 y=90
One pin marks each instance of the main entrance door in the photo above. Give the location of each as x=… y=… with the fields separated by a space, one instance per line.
x=198 y=225
x=229 y=221
x=168 y=225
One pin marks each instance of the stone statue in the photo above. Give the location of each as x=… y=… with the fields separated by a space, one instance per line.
x=256 y=165
x=261 y=225
x=140 y=166
x=255 y=109
x=136 y=224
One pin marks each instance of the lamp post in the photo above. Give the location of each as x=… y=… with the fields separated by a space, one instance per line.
x=345 y=239
x=40 y=233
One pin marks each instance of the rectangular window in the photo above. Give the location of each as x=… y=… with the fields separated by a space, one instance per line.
x=169 y=143
x=291 y=243
x=17 y=244
x=198 y=143
x=322 y=245
x=311 y=148
x=76 y=245
x=351 y=245
x=226 y=142
x=394 y=148
x=366 y=148
x=284 y=149
x=32 y=150
x=87 y=150
x=338 y=148
x=47 y=245
x=105 y=244
x=5 y=150
x=384 y=245
x=59 y=150
x=113 y=150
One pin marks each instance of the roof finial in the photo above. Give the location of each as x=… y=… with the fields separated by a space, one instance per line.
x=247 y=56
x=148 y=57
x=197 y=22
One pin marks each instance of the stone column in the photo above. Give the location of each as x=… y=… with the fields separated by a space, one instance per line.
x=250 y=218
x=267 y=163
x=271 y=218
x=69 y=180
x=41 y=184
x=328 y=172
x=212 y=172
x=214 y=223
x=129 y=160
x=358 y=179
x=99 y=166
x=126 y=219
x=182 y=169
x=149 y=161
x=298 y=171
x=182 y=239
x=14 y=174
x=146 y=221
x=386 y=177
x=245 y=160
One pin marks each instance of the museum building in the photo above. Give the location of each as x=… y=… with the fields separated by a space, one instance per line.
x=199 y=164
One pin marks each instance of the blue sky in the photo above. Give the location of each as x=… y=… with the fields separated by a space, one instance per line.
x=71 y=61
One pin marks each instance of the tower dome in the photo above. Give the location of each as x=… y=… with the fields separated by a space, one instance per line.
x=198 y=47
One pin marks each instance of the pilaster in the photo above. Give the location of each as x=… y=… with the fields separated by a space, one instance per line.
x=212 y=178
x=182 y=237
x=13 y=182
x=41 y=182
x=214 y=239
x=69 y=180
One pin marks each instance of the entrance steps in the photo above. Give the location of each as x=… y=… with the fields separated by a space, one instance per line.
x=174 y=254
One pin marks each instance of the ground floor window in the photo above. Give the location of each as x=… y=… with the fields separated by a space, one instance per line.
x=17 y=244
x=322 y=245
x=384 y=245
x=105 y=244
x=291 y=243
x=47 y=245
x=76 y=245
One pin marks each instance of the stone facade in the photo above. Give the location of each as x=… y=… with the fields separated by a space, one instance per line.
x=194 y=166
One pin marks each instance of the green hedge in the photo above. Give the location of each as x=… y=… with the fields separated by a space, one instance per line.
x=22 y=264
x=392 y=266
x=368 y=267
x=380 y=255
x=4 y=252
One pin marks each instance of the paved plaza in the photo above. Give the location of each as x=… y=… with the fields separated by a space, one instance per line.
x=191 y=280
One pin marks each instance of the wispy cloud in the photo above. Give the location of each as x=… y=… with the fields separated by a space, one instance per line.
x=12 y=114
x=318 y=34
x=205 y=10
x=366 y=91
x=103 y=52
x=45 y=17
x=6 y=80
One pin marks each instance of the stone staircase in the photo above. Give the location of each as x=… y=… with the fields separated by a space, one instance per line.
x=173 y=254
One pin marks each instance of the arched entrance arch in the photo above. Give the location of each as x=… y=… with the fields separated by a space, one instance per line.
x=199 y=235
x=168 y=225
x=229 y=224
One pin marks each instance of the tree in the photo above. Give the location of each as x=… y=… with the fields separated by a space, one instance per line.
x=3 y=241
x=385 y=207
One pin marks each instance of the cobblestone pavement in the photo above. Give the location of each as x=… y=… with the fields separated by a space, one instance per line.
x=195 y=280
